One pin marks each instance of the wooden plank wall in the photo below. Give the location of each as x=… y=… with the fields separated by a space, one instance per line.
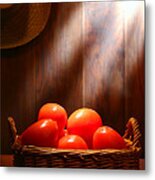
x=90 y=54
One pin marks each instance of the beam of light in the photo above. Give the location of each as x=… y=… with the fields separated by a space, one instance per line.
x=64 y=42
x=129 y=8
x=108 y=38
x=109 y=47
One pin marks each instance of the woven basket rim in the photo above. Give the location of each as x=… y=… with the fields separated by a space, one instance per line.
x=37 y=149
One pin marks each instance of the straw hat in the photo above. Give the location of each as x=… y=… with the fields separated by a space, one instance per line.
x=20 y=23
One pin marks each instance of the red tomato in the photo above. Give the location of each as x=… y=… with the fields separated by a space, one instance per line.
x=107 y=138
x=55 y=112
x=41 y=133
x=72 y=142
x=84 y=122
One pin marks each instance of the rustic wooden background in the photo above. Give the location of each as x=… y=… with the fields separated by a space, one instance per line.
x=89 y=54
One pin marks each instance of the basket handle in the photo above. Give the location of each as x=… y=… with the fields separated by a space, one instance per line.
x=13 y=130
x=132 y=132
x=15 y=140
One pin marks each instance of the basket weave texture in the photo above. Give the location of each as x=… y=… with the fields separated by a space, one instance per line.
x=33 y=156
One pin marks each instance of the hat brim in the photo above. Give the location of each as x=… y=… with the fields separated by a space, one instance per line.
x=21 y=23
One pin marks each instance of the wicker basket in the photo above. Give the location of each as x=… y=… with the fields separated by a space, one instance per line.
x=32 y=156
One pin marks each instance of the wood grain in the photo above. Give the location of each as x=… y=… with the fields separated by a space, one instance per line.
x=89 y=54
x=17 y=91
x=135 y=66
